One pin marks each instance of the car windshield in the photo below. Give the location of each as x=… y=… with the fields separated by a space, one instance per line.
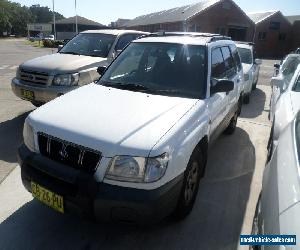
x=246 y=55
x=89 y=44
x=160 y=68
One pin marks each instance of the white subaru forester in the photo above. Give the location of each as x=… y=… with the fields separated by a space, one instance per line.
x=133 y=147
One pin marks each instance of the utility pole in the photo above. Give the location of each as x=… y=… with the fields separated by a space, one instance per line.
x=76 y=24
x=54 y=28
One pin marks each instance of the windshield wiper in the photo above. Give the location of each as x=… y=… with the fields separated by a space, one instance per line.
x=70 y=52
x=127 y=86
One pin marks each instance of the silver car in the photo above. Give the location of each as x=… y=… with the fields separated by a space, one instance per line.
x=44 y=78
x=278 y=207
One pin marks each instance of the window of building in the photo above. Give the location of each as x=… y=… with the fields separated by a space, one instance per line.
x=281 y=36
x=274 y=26
x=262 y=35
x=221 y=31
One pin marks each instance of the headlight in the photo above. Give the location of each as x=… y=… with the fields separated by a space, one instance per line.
x=246 y=77
x=66 y=80
x=28 y=136
x=137 y=169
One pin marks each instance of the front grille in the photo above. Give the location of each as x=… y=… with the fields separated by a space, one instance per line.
x=34 y=77
x=68 y=153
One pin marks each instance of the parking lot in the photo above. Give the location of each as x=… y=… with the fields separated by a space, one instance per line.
x=224 y=207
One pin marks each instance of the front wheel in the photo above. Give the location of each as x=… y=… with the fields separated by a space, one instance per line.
x=189 y=190
x=37 y=104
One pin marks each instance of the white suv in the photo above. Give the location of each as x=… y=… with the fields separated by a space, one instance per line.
x=133 y=147
x=250 y=67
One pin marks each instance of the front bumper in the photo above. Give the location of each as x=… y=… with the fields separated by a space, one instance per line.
x=42 y=93
x=104 y=202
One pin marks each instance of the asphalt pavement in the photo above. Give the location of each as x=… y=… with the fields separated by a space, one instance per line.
x=223 y=210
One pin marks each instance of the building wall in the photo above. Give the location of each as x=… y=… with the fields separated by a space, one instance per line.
x=271 y=41
x=295 y=35
x=218 y=19
x=224 y=18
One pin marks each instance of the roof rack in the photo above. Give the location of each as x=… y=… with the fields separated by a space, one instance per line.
x=242 y=42
x=213 y=37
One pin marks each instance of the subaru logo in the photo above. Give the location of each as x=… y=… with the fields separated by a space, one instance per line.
x=31 y=77
x=63 y=152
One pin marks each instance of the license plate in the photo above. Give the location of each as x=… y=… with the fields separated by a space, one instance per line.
x=27 y=94
x=46 y=196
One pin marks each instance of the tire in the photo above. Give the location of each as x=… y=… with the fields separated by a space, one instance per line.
x=255 y=84
x=37 y=104
x=192 y=175
x=270 y=145
x=246 y=99
x=232 y=125
x=255 y=225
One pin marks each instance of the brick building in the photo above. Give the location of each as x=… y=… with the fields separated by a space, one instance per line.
x=213 y=16
x=273 y=34
x=295 y=21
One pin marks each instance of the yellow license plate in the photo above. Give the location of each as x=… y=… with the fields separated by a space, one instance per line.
x=27 y=94
x=44 y=195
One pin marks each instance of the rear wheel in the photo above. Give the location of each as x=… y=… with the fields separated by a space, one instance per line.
x=189 y=190
x=232 y=125
x=246 y=98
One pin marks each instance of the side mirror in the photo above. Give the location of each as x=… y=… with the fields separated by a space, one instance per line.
x=222 y=85
x=277 y=66
x=59 y=47
x=101 y=70
x=258 y=61
x=277 y=81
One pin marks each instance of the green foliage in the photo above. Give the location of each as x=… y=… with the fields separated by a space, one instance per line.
x=52 y=44
x=14 y=17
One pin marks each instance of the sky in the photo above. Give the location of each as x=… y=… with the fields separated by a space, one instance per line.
x=108 y=11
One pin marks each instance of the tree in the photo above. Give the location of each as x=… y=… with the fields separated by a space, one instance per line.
x=43 y=14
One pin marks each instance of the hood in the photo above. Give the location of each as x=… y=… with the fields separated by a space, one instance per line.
x=246 y=68
x=112 y=121
x=295 y=101
x=61 y=63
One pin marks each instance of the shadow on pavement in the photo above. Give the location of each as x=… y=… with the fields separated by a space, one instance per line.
x=256 y=105
x=215 y=222
x=11 y=136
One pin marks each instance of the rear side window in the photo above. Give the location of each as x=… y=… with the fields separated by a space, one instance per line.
x=229 y=63
x=236 y=57
x=218 y=69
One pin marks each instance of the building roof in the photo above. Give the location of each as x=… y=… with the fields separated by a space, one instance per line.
x=258 y=17
x=172 y=15
x=80 y=20
x=292 y=19
x=114 y=31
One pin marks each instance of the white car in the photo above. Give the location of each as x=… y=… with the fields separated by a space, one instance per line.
x=133 y=147
x=278 y=207
x=250 y=68
x=287 y=105
x=284 y=72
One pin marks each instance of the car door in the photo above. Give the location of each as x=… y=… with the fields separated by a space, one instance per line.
x=217 y=103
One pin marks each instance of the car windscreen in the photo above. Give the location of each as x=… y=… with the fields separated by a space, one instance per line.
x=89 y=44
x=160 y=68
x=246 y=55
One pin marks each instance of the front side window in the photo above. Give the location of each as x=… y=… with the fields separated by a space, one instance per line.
x=246 y=55
x=89 y=44
x=160 y=68
x=297 y=85
x=289 y=68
